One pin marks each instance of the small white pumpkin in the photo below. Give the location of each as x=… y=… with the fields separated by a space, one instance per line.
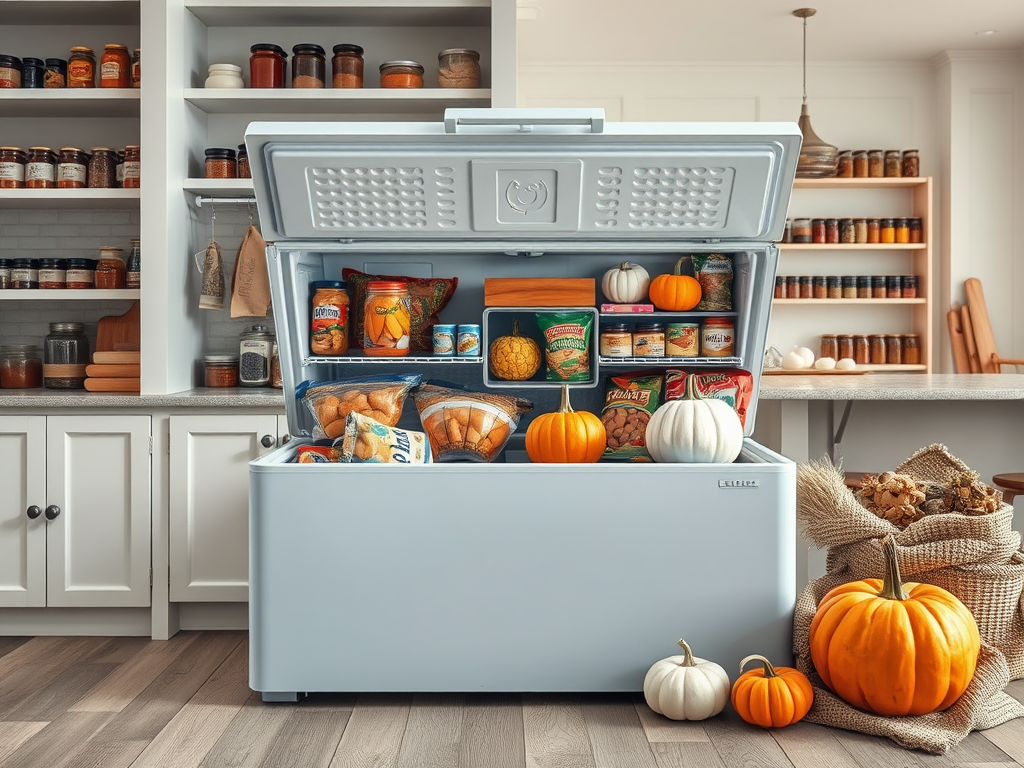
x=686 y=687
x=807 y=354
x=793 y=361
x=825 y=363
x=846 y=364
x=694 y=430
x=626 y=284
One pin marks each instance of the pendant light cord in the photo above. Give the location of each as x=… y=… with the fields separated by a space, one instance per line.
x=805 y=60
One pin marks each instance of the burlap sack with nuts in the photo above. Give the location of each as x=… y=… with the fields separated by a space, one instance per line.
x=977 y=558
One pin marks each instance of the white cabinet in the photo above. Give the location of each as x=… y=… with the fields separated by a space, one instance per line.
x=75 y=517
x=209 y=503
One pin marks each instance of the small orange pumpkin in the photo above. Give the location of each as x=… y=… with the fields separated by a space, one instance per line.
x=676 y=292
x=773 y=697
x=891 y=648
x=566 y=436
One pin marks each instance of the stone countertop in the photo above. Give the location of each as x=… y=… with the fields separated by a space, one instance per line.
x=240 y=397
x=895 y=386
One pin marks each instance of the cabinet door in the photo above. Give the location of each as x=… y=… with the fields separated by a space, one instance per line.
x=98 y=545
x=209 y=503
x=22 y=539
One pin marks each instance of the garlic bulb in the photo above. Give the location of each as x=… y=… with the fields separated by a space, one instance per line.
x=825 y=363
x=806 y=354
x=793 y=361
x=846 y=364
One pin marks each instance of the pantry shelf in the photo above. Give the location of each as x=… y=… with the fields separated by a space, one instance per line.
x=68 y=199
x=625 y=317
x=72 y=12
x=818 y=302
x=410 y=359
x=861 y=183
x=675 y=360
x=126 y=294
x=238 y=101
x=218 y=187
x=352 y=13
x=69 y=102
x=852 y=246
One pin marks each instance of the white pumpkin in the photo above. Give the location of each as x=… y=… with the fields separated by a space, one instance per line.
x=695 y=430
x=626 y=284
x=686 y=687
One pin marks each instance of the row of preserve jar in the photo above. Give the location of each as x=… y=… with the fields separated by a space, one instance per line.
x=873 y=349
x=62 y=365
x=71 y=168
x=860 y=231
x=110 y=271
x=117 y=69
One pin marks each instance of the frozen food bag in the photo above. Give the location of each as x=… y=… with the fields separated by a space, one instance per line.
x=379 y=397
x=368 y=441
x=629 y=401
x=566 y=344
x=467 y=426
x=318 y=454
x=714 y=273
x=731 y=385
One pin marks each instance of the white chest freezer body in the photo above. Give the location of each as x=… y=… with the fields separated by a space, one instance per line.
x=513 y=576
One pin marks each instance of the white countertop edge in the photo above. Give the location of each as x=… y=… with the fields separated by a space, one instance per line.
x=202 y=398
x=895 y=386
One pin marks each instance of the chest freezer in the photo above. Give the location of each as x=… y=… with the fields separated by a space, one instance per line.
x=511 y=575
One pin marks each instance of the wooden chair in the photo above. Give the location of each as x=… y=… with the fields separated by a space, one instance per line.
x=971 y=338
x=1011 y=484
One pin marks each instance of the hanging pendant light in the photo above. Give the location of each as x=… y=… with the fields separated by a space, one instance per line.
x=818 y=158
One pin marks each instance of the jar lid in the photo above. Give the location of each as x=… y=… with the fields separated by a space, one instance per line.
x=56 y=63
x=901 y=222
x=457 y=52
x=101 y=149
x=67 y=327
x=131 y=146
x=19 y=349
x=348 y=48
x=616 y=327
x=828 y=335
x=40 y=149
x=268 y=47
x=874 y=151
x=410 y=64
x=30 y=62
x=81 y=49
x=52 y=263
x=71 y=149
x=886 y=222
x=225 y=68
x=16 y=150
x=718 y=321
x=649 y=327
x=332 y=284
x=222 y=359
x=220 y=153
x=5 y=262
x=386 y=286
x=30 y=263
x=308 y=48
x=115 y=47
x=78 y=263
x=10 y=61
x=241 y=150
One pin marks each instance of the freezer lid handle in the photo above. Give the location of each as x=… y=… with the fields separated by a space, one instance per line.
x=523 y=119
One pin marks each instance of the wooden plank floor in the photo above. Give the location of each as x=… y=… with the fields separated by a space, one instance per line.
x=185 y=703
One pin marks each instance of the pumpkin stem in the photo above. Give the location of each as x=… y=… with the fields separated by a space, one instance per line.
x=892 y=584
x=687 y=655
x=679 y=265
x=625 y=265
x=515 y=327
x=565 y=407
x=769 y=670
x=692 y=393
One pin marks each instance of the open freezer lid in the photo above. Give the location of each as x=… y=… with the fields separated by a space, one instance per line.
x=496 y=174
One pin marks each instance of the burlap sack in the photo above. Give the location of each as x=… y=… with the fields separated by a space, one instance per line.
x=978 y=559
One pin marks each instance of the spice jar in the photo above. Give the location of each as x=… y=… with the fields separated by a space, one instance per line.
x=25 y=274
x=220 y=370
x=876 y=342
x=110 y=269
x=386 y=319
x=911 y=345
x=115 y=67
x=81 y=274
x=401 y=74
x=132 y=168
x=787 y=232
x=458 y=68
x=82 y=68
x=119 y=169
x=780 y=287
x=41 y=168
x=242 y=165
x=829 y=346
x=32 y=73
x=221 y=163
x=616 y=340
x=893 y=349
x=911 y=165
x=347 y=66
x=847 y=233
x=329 y=318
x=860 y=230
x=908 y=286
x=718 y=337
x=102 y=171
x=834 y=287
x=55 y=74
x=806 y=287
x=21 y=367
x=860 y=164
x=893 y=287
x=792 y=287
x=276 y=377
x=819 y=287
x=12 y=168
x=886 y=231
x=845 y=167
x=267 y=64
x=878 y=287
x=649 y=340
x=5 y=274
x=902 y=231
x=309 y=63
x=916 y=233
x=10 y=71
x=849 y=287
x=255 y=348
x=52 y=274
x=802 y=231
x=876 y=163
x=873 y=231
x=893 y=163
x=65 y=356
x=682 y=340
x=861 y=349
x=224 y=76
x=863 y=287
x=817 y=230
x=831 y=230
x=72 y=168
x=136 y=68
x=844 y=345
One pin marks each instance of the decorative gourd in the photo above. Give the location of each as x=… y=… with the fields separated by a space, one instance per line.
x=566 y=436
x=676 y=292
x=626 y=284
x=773 y=697
x=514 y=357
x=891 y=648
x=685 y=687
x=695 y=430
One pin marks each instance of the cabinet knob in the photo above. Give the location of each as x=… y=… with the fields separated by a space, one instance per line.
x=33 y=512
x=268 y=441
x=52 y=511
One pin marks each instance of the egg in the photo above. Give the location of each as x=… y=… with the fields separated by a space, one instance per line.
x=846 y=364
x=794 y=361
x=825 y=363
x=806 y=354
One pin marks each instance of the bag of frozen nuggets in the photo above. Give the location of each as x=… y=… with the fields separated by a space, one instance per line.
x=368 y=441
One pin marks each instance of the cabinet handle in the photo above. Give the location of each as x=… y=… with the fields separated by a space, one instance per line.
x=268 y=441
x=52 y=511
x=33 y=512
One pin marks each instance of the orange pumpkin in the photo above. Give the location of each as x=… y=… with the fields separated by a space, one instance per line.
x=773 y=697
x=566 y=436
x=894 y=649
x=676 y=292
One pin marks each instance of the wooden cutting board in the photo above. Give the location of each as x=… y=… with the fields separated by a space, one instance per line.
x=984 y=338
x=961 y=362
x=966 y=322
x=540 y=291
x=117 y=357
x=113 y=371
x=113 y=385
x=120 y=333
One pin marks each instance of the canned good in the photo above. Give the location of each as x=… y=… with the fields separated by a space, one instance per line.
x=220 y=370
x=718 y=337
x=649 y=340
x=443 y=338
x=616 y=340
x=468 y=341
x=682 y=340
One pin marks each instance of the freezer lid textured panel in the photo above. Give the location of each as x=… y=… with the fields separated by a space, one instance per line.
x=523 y=174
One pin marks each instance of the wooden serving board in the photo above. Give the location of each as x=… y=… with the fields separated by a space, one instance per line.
x=113 y=385
x=540 y=291
x=967 y=325
x=120 y=333
x=113 y=371
x=961 y=361
x=117 y=357
x=984 y=338
x=812 y=372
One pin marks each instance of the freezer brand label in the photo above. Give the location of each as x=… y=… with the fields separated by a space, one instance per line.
x=526 y=197
x=739 y=483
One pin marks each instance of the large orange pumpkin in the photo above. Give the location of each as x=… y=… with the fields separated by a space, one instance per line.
x=566 y=436
x=676 y=292
x=894 y=649
x=773 y=697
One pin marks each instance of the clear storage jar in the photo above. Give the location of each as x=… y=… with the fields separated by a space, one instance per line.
x=82 y=67
x=254 y=352
x=65 y=356
x=458 y=68
x=401 y=74
x=102 y=170
x=132 y=174
x=21 y=367
x=72 y=168
x=220 y=370
x=347 y=66
x=115 y=67
x=267 y=64
x=12 y=168
x=110 y=269
x=386 y=319
x=41 y=168
x=221 y=163
x=309 y=63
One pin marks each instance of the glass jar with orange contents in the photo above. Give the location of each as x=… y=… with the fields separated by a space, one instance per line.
x=115 y=67
x=386 y=319
x=329 y=318
x=110 y=270
x=401 y=74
